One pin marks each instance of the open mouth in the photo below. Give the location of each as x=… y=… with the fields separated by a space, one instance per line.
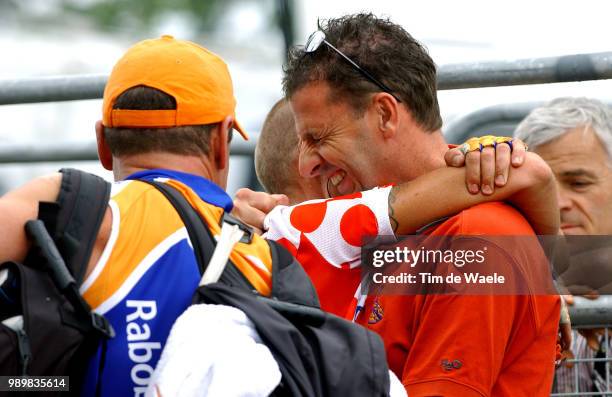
x=339 y=184
x=337 y=178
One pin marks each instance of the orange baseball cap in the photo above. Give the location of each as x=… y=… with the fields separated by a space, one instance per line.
x=198 y=80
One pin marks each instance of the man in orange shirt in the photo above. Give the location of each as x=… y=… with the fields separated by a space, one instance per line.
x=304 y=229
x=363 y=93
x=311 y=231
x=475 y=345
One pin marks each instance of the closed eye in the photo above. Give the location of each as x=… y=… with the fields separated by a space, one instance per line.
x=311 y=139
x=579 y=184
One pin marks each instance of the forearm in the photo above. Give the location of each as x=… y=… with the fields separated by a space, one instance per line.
x=535 y=194
x=538 y=203
x=442 y=192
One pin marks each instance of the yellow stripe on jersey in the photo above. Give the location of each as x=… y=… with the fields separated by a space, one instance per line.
x=259 y=276
x=142 y=227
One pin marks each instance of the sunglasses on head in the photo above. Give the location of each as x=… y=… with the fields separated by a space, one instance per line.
x=314 y=43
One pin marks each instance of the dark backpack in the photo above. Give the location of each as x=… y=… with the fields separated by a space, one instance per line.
x=59 y=329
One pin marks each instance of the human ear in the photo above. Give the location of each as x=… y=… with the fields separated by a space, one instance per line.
x=104 y=153
x=220 y=143
x=386 y=109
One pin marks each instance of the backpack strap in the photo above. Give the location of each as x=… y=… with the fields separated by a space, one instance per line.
x=290 y=283
x=201 y=237
x=54 y=264
x=75 y=218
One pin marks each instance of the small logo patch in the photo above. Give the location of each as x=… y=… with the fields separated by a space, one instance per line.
x=449 y=365
x=376 y=314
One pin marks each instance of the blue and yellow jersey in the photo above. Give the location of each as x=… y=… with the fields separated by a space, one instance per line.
x=147 y=274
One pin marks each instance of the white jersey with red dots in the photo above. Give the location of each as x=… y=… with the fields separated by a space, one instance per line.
x=326 y=237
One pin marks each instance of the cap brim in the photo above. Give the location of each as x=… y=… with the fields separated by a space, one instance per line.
x=241 y=130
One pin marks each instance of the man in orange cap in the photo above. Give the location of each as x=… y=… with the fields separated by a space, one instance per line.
x=168 y=116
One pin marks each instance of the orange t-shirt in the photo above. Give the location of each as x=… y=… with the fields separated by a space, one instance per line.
x=472 y=345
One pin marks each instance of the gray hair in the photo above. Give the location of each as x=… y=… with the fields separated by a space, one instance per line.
x=551 y=121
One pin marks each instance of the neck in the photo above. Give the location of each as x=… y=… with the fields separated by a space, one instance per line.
x=197 y=165
x=435 y=150
x=426 y=153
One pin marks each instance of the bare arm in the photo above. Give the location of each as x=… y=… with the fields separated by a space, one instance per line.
x=442 y=192
x=19 y=206
x=531 y=188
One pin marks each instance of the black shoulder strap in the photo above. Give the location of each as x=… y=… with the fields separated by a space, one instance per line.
x=290 y=283
x=201 y=237
x=203 y=243
x=74 y=220
x=44 y=247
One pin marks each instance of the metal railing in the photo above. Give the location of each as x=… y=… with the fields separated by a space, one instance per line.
x=588 y=372
x=562 y=69
x=28 y=153
x=478 y=121
x=580 y=67
x=587 y=313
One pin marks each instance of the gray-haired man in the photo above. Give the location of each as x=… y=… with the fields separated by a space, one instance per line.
x=574 y=136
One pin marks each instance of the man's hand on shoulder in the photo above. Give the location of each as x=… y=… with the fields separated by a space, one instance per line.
x=251 y=207
x=19 y=206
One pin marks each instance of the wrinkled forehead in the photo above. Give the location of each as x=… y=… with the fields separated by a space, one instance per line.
x=579 y=148
x=315 y=107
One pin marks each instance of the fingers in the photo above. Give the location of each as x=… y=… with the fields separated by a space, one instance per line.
x=281 y=199
x=252 y=207
x=565 y=330
x=454 y=157
x=250 y=216
x=567 y=357
x=502 y=164
x=569 y=299
x=262 y=201
x=518 y=152
x=487 y=170
x=489 y=167
x=472 y=171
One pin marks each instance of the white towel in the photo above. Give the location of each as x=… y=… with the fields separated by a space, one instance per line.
x=214 y=350
x=397 y=388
